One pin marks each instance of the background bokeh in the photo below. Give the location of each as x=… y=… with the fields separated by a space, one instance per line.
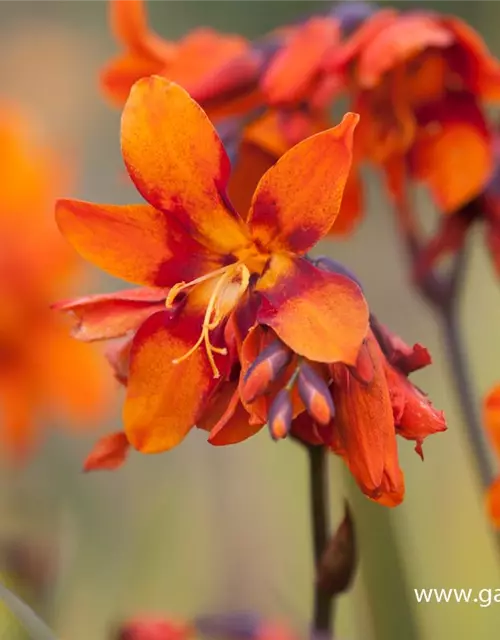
x=202 y=529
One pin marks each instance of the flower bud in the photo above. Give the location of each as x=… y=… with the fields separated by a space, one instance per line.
x=338 y=562
x=315 y=394
x=280 y=415
x=267 y=367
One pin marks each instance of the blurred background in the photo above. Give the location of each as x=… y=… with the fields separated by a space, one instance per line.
x=202 y=529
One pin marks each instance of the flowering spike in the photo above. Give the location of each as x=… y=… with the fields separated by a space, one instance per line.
x=315 y=394
x=266 y=368
x=280 y=415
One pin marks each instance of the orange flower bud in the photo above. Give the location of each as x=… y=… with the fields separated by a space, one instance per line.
x=280 y=415
x=268 y=366
x=315 y=394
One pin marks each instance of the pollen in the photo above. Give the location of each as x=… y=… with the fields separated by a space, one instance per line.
x=231 y=283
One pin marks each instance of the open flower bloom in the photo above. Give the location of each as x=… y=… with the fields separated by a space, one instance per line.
x=418 y=81
x=213 y=277
x=43 y=373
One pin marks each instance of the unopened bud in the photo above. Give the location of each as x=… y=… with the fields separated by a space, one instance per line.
x=338 y=563
x=266 y=368
x=280 y=415
x=315 y=394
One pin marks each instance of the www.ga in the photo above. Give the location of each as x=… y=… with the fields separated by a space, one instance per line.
x=483 y=597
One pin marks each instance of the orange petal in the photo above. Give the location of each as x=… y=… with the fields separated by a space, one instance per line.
x=201 y=54
x=233 y=425
x=452 y=153
x=320 y=315
x=298 y=199
x=491 y=417
x=178 y=163
x=119 y=74
x=130 y=27
x=165 y=400
x=470 y=58
x=108 y=453
x=134 y=242
x=118 y=355
x=293 y=69
x=351 y=209
x=399 y=41
x=365 y=427
x=493 y=503
x=112 y=315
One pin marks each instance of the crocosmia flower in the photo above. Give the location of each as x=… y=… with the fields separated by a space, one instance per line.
x=218 y=283
x=44 y=375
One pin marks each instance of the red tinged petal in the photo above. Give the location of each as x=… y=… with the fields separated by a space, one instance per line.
x=402 y=39
x=491 y=417
x=452 y=154
x=109 y=453
x=266 y=368
x=315 y=395
x=280 y=415
x=493 y=503
x=118 y=356
x=101 y=317
x=392 y=489
x=134 y=242
x=233 y=425
x=415 y=416
x=294 y=68
x=165 y=400
x=404 y=358
x=365 y=427
x=297 y=200
x=177 y=162
x=364 y=369
x=322 y=316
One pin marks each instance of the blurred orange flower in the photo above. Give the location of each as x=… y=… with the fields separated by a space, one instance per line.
x=148 y=628
x=230 y=279
x=42 y=371
x=418 y=81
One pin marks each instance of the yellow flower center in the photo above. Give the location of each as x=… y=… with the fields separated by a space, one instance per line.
x=231 y=283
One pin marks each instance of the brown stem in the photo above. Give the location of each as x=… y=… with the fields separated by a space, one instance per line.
x=320 y=520
x=442 y=294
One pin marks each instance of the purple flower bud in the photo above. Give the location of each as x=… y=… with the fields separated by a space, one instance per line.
x=267 y=367
x=315 y=394
x=280 y=415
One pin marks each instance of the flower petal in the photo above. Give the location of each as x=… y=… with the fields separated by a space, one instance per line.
x=452 y=153
x=134 y=242
x=101 y=317
x=120 y=73
x=298 y=199
x=293 y=69
x=108 y=453
x=130 y=27
x=165 y=400
x=178 y=163
x=365 y=427
x=491 y=417
x=233 y=425
x=320 y=315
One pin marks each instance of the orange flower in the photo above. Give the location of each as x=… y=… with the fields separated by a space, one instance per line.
x=417 y=79
x=42 y=371
x=148 y=628
x=225 y=274
x=189 y=61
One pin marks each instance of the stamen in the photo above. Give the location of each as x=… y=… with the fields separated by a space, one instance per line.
x=180 y=286
x=217 y=309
